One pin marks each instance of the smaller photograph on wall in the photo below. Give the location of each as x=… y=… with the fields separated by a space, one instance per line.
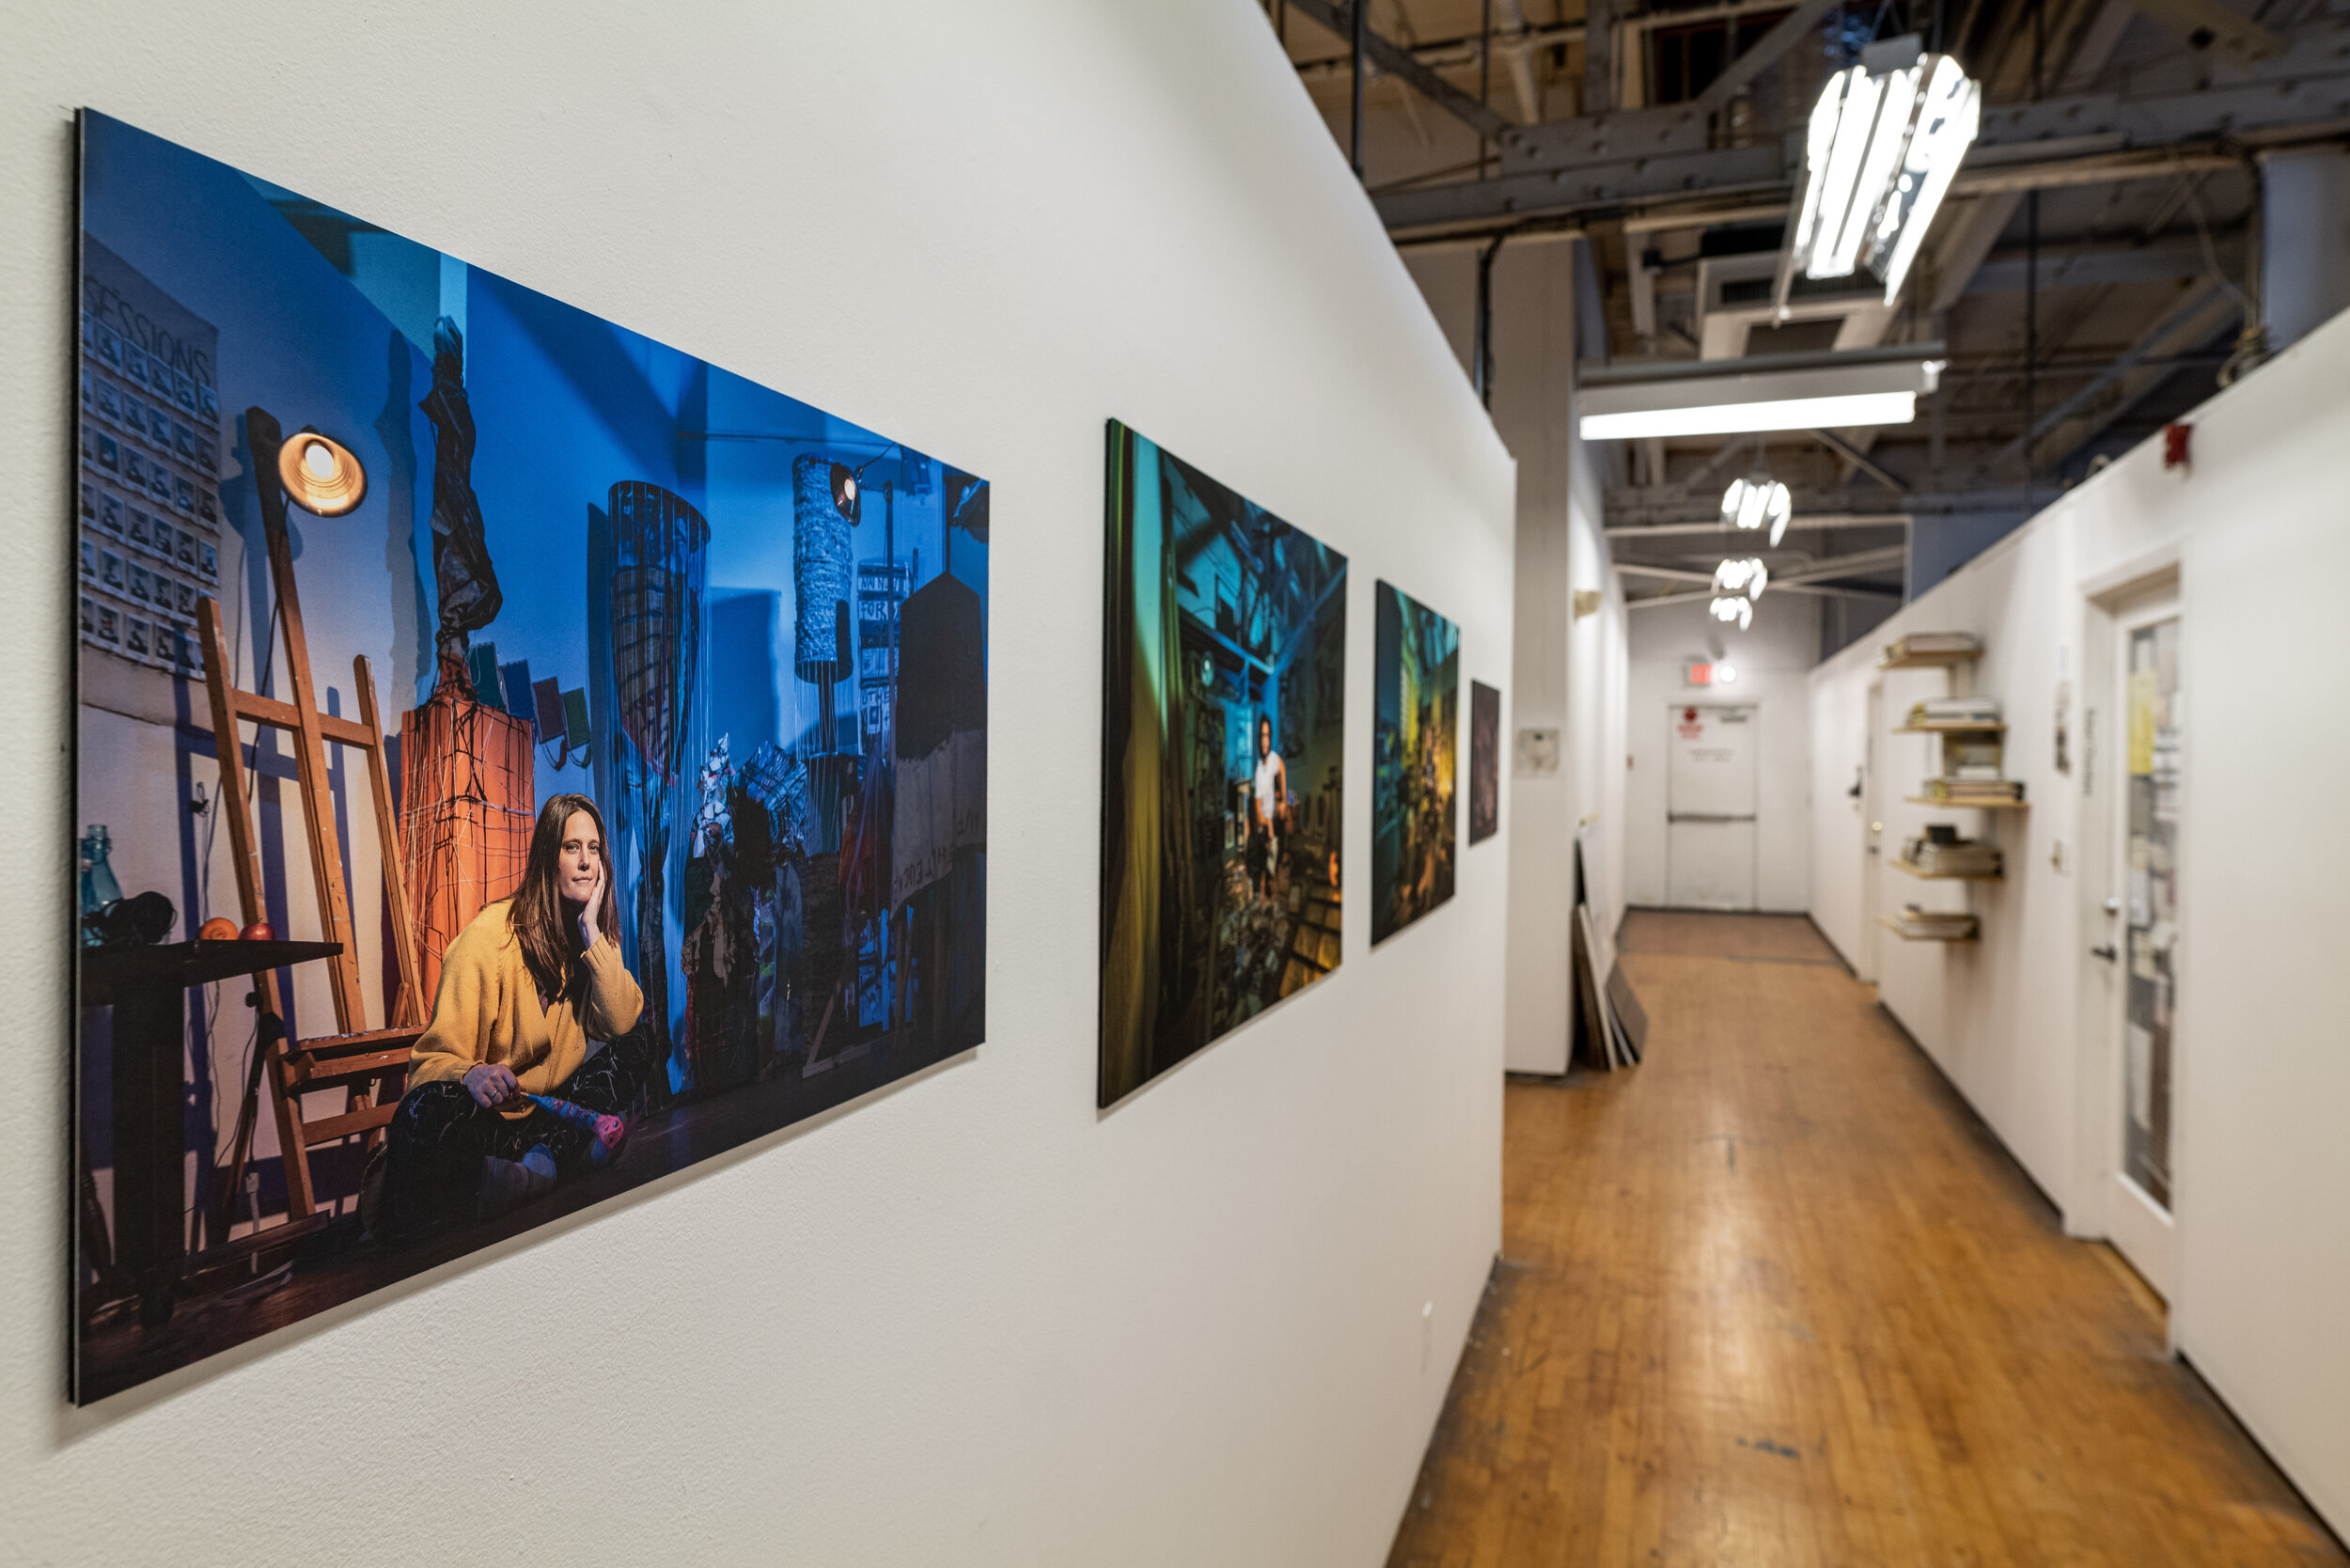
x=1223 y=740
x=1485 y=810
x=1416 y=698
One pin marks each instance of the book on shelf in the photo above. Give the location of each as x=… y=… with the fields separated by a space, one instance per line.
x=1914 y=922
x=1918 y=644
x=1962 y=790
x=1955 y=710
x=1958 y=857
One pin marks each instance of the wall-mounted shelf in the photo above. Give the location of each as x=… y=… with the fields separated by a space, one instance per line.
x=1923 y=660
x=1951 y=727
x=1898 y=929
x=1971 y=805
x=1908 y=868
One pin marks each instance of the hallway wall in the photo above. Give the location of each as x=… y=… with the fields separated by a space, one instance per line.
x=1567 y=671
x=969 y=1319
x=1772 y=658
x=2262 y=1168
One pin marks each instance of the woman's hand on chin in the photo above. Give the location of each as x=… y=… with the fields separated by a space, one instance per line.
x=591 y=913
x=493 y=1084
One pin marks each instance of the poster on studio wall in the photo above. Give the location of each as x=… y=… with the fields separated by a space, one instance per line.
x=517 y=759
x=1484 y=802
x=1416 y=698
x=1223 y=733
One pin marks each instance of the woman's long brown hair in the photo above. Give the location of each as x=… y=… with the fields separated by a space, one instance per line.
x=549 y=939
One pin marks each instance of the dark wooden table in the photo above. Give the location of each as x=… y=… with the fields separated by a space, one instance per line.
x=148 y=989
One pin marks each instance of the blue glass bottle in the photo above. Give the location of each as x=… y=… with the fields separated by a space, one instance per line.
x=99 y=887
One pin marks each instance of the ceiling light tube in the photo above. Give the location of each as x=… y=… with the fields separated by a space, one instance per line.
x=1947 y=124
x=1856 y=117
x=1885 y=141
x=1791 y=413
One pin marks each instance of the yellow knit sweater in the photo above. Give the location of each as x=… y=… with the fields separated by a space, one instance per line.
x=489 y=1012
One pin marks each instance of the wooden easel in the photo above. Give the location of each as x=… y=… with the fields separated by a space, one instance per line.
x=370 y=1065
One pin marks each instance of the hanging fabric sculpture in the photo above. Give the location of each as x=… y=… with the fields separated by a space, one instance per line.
x=659 y=547
x=467 y=791
x=462 y=572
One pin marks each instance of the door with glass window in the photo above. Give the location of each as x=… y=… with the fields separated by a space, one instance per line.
x=2146 y=863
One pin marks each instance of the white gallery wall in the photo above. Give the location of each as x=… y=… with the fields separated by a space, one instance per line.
x=1567 y=670
x=1772 y=658
x=969 y=1319
x=2254 y=530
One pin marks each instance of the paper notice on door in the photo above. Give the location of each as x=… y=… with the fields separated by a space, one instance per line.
x=2139 y=1070
x=2145 y=710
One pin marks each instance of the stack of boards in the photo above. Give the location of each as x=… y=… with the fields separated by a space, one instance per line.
x=1615 y=1028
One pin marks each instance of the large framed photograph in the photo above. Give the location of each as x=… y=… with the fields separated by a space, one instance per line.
x=1223 y=743
x=516 y=758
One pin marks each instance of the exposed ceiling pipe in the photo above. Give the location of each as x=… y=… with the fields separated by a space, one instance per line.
x=1519 y=50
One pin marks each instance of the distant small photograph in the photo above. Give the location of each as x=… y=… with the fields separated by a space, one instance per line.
x=1416 y=700
x=1484 y=761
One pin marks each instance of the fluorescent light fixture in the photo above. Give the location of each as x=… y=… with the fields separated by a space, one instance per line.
x=1754 y=503
x=1733 y=608
x=1792 y=413
x=1746 y=577
x=1827 y=391
x=1885 y=140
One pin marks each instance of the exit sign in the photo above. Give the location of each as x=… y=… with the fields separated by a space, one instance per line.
x=1700 y=675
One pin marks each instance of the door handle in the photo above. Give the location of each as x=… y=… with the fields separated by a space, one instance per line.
x=2106 y=952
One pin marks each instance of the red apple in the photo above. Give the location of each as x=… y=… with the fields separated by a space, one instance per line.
x=258 y=932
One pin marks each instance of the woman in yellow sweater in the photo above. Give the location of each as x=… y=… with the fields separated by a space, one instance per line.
x=523 y=989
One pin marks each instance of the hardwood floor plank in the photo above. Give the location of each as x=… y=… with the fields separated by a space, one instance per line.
x=1777 y=1297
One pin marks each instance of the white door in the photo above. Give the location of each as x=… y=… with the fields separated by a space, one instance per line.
x=1868 y=793
x=1709 y=794
x=2144 y=900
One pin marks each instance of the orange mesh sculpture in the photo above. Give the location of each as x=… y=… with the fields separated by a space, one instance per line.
x=468 y=800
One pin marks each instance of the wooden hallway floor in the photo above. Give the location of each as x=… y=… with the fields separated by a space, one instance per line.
x=1776 y=1297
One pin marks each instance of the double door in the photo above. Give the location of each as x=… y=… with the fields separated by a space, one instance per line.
x=1710 y=805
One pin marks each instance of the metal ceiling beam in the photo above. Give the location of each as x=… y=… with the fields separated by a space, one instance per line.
x=1655 y=600
x=1687 y=530
x=1643 y=157
x=1858 y=458
x=1859 y=564
x=1337 y=16
x=2194 y=319
x=2185 y=309
x=1770 y=49
x=1511 y=46
x=1634 y=507
x=2166 y=262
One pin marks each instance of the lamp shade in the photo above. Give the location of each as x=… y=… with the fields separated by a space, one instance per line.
x=321 y=474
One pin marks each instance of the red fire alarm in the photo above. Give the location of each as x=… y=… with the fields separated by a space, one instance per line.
x=2175 y=438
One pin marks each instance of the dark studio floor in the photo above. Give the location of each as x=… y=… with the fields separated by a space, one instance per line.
x=343 y=1263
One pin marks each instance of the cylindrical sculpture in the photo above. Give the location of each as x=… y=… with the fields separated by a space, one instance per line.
x=821 y=570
